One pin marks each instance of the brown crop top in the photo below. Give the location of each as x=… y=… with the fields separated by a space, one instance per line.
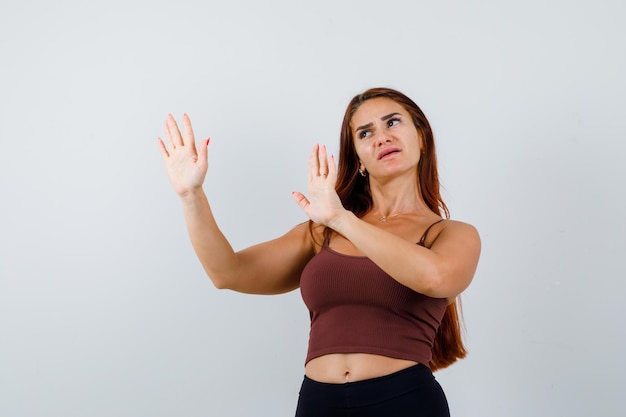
x=355 y=307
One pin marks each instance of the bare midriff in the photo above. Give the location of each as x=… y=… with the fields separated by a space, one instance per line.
x=338 y=368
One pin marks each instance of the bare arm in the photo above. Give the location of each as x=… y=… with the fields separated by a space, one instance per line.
x=442 y=271
x=268 y=268
x=271 y=267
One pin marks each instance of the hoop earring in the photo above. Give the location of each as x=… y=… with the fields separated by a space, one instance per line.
x=363 y=173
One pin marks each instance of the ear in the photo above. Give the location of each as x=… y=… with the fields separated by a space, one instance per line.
x=361 y=166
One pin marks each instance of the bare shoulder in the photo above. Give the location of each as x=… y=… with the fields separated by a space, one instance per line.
x=309 y=233
x=457 y=247
x=303 y=236
x=456 y=226
x=454 y=231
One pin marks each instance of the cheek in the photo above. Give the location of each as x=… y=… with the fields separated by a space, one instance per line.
x=358 y=149
x=420 y=141
x=362 y=154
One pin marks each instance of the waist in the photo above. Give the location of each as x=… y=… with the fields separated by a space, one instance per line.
x=339 y=368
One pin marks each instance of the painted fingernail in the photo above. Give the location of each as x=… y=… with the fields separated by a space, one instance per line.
x=207 y=141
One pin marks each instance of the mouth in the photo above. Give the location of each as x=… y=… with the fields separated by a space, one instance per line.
x=388 y=152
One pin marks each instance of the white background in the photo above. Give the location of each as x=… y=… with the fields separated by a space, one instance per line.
x=104 y=310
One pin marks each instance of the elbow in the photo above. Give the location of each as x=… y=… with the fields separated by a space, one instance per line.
x=434 y=284
x=223 y=278
x=444 y=284
x=219 y=285
x=432 y=288
x=220 y=282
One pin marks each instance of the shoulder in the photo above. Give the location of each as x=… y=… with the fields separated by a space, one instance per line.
x=457 y=246
x=453 y=230
x=308 y=232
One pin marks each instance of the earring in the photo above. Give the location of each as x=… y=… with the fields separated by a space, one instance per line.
x=363 y=173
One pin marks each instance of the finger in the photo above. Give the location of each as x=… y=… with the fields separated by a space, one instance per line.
x=164 y=153
x=168 y=135
x=203 y=152
x=172 y=127
x=332 y=167
x=300 y=199
x=313 y=163
x=323 y=161
x=188 y=138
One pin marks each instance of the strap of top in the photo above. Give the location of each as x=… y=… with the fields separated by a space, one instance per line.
x=327 y=234
x=423 y=238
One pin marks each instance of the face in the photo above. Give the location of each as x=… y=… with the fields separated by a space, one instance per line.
x=385 y=138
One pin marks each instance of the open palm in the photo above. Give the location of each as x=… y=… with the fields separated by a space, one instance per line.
x=186 y=166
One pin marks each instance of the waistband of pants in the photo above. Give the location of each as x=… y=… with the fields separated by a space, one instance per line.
x=373 y=390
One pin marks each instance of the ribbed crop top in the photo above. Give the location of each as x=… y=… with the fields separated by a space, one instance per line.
x=355 y=307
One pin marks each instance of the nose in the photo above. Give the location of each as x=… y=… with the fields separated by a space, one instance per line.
x=382 y=137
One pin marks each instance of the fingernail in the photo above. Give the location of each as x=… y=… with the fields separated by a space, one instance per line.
x=207 y=141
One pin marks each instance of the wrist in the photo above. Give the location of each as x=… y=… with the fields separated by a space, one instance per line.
x=341 y=222
x=192 y=195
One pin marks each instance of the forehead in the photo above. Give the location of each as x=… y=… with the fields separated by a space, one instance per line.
x=372 y=110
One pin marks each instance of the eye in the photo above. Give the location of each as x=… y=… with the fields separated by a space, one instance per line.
x=364 y=133
x=392 y=122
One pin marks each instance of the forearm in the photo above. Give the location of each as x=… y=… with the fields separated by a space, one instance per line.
x=408 y=263
x=215 y=253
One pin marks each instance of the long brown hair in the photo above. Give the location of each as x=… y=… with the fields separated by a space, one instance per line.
x=353 y=190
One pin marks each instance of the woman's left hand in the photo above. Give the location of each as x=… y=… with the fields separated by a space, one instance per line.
x=323 y=205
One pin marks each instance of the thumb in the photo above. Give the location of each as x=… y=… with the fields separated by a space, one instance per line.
x=300 y=199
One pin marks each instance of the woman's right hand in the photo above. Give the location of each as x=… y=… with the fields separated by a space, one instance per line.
x=186 y=166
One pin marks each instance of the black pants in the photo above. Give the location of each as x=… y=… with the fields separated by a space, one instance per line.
x=411 y=392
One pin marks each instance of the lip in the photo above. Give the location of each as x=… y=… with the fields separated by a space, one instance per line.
x=387 y=151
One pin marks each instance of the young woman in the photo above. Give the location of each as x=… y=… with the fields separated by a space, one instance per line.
x=379 y=268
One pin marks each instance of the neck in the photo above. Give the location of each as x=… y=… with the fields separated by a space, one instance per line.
x=395 y=197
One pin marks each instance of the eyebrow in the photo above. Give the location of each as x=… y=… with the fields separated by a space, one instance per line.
x=384 y=118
